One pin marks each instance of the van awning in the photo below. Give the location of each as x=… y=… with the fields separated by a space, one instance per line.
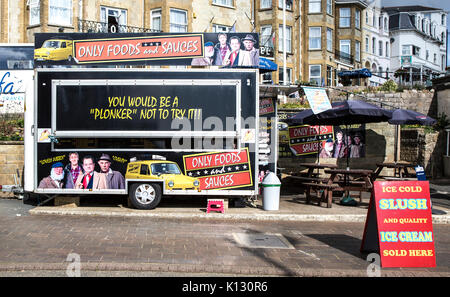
x=358 y=73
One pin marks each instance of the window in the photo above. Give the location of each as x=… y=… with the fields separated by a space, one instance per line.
x=443 y=20
x=367 y=44
x=223 y=2
x=435 y=59
x=416 y=51
x=387 y=49
x=367 y=17
x=330 y=7
x=281 y=74
x=60 y=12
x=288 y=39
x=443 y=36
x=358 y=18
x=116 y=19
x=315 y=6
x=35 y=12
x=264 y=4
x=329 y=40
x=344 y=17
x=329 y=76
x=443 y=62
x=155 y=19
x=315 y=75
x=406 y=50
x=221 y=28
x=380 y=48
x=315 y=34
x=385 y=24
x=374 y=42
x=344 y=46
x=266 y=36
x=358 y=51
x=427 y=54
x=178 y=20
x=288 y=6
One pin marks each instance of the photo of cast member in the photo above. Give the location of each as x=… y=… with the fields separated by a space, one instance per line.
x=233 y=52
x=82 y=175
x=350 y=145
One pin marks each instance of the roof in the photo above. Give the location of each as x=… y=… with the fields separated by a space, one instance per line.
x=361 y=3
x=402 y=21
x=415 y=8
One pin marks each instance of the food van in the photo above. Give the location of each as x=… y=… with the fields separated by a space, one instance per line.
x=163 y=132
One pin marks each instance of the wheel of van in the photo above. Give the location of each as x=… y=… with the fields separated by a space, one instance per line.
x=69 y=58
x=145 y=196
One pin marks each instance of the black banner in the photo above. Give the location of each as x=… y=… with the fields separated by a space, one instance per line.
x=139 y=108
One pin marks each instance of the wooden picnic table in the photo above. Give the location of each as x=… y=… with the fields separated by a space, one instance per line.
x=347 y=180
x=400 y=169
x=312 y=166
x=312 y=181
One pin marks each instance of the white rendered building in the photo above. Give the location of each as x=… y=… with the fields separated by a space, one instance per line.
x=376 y=42
x=418 y=42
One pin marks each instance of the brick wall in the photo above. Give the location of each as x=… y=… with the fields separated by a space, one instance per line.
x=11 y=159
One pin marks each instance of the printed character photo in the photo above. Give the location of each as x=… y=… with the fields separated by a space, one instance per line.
x=114 y=179
x=357 y=149
x=232 y=58
x=250 y=55
x=327 y=149
x=72 y=171
x=90 y=179
x=55 y=179
x=222 y=49
x=340 y=148
x=209 y=56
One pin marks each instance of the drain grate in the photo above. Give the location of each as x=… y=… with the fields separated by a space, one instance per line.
x=262 y=240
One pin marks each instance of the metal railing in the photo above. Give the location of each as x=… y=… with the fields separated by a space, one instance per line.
x=344 y=57
x=87 y=26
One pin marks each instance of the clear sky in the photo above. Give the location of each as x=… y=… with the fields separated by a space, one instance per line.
x=442 y=4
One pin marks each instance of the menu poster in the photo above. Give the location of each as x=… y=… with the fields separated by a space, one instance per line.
x=399 y=217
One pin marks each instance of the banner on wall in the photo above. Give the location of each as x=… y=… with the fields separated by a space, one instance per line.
x=12 y=90
x=195 y=49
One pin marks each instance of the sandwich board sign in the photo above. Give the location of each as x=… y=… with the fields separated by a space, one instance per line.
x=399 y=225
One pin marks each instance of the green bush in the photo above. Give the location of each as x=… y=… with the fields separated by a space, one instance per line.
x=389 y=86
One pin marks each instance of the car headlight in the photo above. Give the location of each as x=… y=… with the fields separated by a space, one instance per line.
x=196 y=183
x=171 y=183
x=48 y=53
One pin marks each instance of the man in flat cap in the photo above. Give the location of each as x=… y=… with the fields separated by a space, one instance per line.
x=209 y=56
x=249 y=56
x=114 y=179
x=55 y=179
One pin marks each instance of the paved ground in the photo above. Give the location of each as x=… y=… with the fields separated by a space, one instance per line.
x=177 y=246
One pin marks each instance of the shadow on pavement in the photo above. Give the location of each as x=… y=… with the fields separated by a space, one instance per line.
x=342 y=242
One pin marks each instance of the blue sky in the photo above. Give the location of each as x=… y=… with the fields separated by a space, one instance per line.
x=442 y=4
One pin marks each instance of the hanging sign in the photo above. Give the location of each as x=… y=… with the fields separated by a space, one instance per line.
x=399 y=225
x=317 y=99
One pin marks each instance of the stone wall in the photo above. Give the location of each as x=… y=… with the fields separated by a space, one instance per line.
x=380 y=140
x=416 y=145
x=425 y=148
x=422 y=101
x=11 y=159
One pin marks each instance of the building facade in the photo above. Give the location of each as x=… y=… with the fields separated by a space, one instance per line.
x=376 y=47
x=323 y=37
x=418 y=41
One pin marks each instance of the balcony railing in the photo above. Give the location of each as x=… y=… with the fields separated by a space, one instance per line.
x=344 y=57
x=86 y=26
